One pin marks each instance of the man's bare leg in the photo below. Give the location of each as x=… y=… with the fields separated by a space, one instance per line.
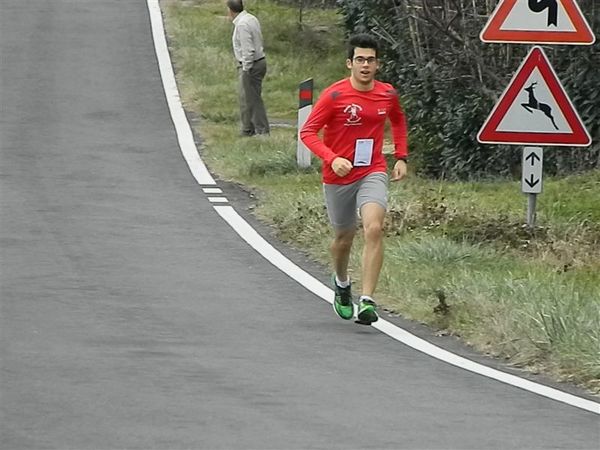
x=373 y=215
x=340 y=251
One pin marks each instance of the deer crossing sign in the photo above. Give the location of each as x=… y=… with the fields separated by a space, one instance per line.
x=534 y=109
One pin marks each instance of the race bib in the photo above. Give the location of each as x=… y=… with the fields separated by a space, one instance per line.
x=363 y=152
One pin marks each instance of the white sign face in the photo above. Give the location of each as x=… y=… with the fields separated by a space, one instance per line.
x=551 y=18
x=532 y=164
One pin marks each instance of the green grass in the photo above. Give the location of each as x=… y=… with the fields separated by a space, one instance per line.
x=200 y=38
x=458 y=256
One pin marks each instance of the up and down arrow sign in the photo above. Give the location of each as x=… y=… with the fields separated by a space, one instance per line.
x=531 y=182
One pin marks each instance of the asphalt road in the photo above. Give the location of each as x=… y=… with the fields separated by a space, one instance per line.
x=132 y=316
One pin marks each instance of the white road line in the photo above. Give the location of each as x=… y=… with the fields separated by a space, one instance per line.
x=212 y=190
x=218 y=199
x=272 y=255
x=257 y=242
x=182 y=126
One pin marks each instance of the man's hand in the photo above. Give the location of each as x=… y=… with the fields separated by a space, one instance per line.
x=341 y=166
x=399 y=170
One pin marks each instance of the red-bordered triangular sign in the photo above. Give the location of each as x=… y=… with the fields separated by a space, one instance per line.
x=534 y=109
x=538 y=22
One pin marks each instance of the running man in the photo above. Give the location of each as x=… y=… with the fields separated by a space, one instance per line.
x=352 y=114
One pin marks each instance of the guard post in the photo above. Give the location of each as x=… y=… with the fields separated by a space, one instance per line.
x=305 y=100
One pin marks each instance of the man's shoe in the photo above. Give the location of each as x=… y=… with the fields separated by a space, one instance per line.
x=342 y=301
x=367 y=312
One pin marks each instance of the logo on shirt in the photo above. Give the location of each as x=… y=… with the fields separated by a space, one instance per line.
x=353 y=110
x=381 y=111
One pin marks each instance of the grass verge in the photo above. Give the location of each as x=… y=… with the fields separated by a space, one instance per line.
x=458 y=256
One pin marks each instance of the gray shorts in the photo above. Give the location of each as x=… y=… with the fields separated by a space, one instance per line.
x=344 y=200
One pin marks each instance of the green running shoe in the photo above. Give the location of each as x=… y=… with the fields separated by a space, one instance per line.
x=367 y=312
x=342 y=301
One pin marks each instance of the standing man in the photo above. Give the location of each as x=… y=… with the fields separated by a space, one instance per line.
x=353 y=113
x=252 y=67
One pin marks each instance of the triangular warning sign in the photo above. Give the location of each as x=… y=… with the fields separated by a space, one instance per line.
x=534 y=109
x=538 y=22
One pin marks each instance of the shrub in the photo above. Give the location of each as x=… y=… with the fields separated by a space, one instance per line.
x=450 y=80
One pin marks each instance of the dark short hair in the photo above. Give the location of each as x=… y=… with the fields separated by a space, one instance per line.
x=362 y=40
x=237 y=6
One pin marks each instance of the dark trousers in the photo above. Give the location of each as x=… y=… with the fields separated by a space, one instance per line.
x=252 y=109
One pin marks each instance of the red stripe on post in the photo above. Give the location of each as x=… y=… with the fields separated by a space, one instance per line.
x=306 y=95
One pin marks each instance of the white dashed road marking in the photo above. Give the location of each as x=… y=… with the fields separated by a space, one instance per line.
x=217 y=199
x=212 y=190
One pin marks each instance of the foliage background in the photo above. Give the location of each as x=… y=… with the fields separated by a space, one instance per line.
x=450 y=81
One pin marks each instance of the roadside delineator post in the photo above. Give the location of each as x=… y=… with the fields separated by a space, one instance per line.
x=305 y=100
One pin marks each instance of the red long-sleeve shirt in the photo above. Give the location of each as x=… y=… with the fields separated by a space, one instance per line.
x=345 y=115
